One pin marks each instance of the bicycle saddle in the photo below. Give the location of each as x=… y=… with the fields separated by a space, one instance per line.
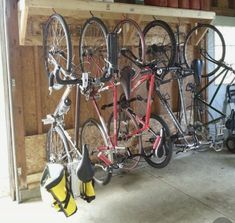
x=231 y=93
x=85 y=170
x=126 y=74
x=197 y=66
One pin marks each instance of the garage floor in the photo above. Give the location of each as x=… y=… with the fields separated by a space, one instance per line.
x=195 y=187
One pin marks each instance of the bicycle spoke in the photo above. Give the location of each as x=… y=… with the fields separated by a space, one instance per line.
x=57 y=44
x=160 y=43
x=93 y=49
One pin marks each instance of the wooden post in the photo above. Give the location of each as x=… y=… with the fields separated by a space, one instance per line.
x=38 y=90
x=16 y=77
x=8 y=133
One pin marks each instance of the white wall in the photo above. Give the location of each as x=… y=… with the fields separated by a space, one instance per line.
x=4 y=168
x=4 y=110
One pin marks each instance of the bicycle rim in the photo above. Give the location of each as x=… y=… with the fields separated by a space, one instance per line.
x=160 y=44
x=203 y=48
x=92 y=135
x=130 y=36
x=93 y=48
x=164 y=153
x=57 y=43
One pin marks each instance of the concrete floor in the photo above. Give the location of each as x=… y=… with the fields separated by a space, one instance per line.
x=197 y=187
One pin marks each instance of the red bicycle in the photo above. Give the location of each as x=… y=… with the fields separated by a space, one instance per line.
x=127 y=137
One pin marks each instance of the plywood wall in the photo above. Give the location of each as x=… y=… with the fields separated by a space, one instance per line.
x=32 y=102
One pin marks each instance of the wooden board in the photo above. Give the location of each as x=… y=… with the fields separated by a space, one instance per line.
x=35 y=153
x=31 y=10
x=17 y=89
x=29 y=86
x=35 y=150
x=31 y=96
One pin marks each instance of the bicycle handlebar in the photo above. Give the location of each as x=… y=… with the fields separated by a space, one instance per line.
x=219 y=63
x=68 y=81
x=85 y=83
x=148 y=68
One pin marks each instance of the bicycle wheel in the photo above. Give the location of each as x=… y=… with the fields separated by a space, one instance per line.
x=131 y=42
x=93 y=48
x=57 y=148
x=200 y=44
x=57 y=46
x=162 y=157
x=92 y=134
x=230 y=143
x=160 y=44
x=127 y=154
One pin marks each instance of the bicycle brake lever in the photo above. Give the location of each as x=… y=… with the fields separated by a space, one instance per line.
x=85 y=80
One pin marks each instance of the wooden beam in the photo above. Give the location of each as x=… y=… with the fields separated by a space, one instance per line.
x=9 y=159
x=16 y=76
x=34 y=178
x=199 y=36
x=110 y=11
x=38 y=90
x=116 y=8
x=23 y=19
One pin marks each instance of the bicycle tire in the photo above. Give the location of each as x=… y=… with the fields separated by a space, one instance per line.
x=88 y=61
x=134 y=143
x=57 y=147
x=62 y=57
x=91 y=134
x=230 y=143
x=156 y=51
x=139 y=42
x=202 y=53
x=164 y=153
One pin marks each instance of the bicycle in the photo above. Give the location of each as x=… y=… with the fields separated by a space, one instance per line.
x=194 y=131
x=60 y=148
x=197 y=128
x=124 y=148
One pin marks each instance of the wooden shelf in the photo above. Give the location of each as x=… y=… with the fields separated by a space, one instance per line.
x=33 y=13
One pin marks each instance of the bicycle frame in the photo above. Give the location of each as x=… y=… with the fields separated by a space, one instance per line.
x=136 y=84
x=168 y=108
x=112 y=141
x=57 y=121
x=197 y=96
